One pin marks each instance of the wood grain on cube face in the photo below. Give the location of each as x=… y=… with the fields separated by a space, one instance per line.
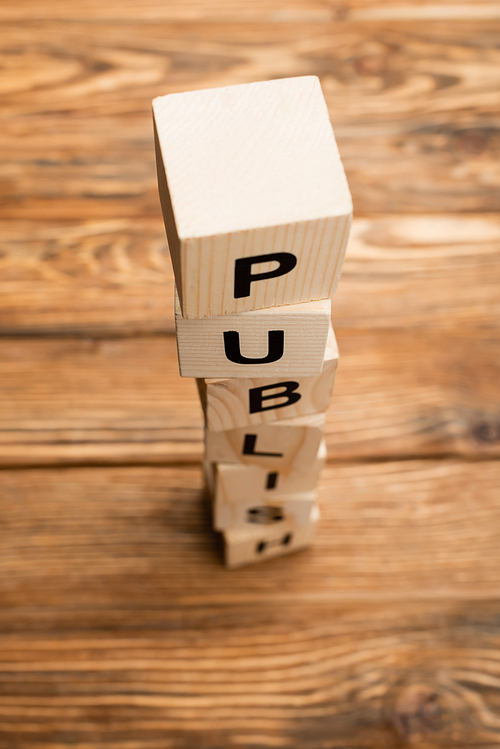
x=255 y=200
x=263 y=343
x=108 y=278
x=273 y=446
x=252 y=482
x=246 y=546
x=242 y=495
x=231 y=403
x=232 y=512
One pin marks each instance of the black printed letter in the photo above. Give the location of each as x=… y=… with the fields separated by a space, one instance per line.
x=249 y=447
x=256 y=396
x=272 y=480
x=275 y=347
x=243 y=276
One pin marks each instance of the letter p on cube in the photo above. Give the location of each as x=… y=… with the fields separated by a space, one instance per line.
x=254 y=196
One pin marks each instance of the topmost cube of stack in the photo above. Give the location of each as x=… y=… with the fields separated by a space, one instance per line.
x=251 y=171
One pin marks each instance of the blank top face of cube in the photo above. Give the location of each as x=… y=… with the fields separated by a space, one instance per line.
x=258 y=159
x=240 y=157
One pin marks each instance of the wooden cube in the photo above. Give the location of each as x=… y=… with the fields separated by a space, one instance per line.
x=254 y=196
x=231 y=403
x=244 y=546
x=245 y=512
x=245 y=483
x=243 y=495
x=233 y=515
x=280 y=446
x=264 y=343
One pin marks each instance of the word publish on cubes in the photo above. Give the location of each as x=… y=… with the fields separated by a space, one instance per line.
x=257 y=213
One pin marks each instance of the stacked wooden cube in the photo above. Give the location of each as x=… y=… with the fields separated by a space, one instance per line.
x=257 y=212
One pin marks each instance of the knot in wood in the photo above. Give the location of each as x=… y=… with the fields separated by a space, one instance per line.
x=473 y=141
x=370 y=65
x=417 y=712
x=487 y=432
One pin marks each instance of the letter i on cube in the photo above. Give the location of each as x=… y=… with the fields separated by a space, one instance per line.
x=257 y=213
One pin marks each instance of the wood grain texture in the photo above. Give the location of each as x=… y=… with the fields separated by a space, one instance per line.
x=265 y=11
x=298 y=348
x=115 y=278
x=420 y=272
x=95 y=278
x=140 y=537
x=330 y=675
x=73 y=401
x=120 y=626
x=413 y=102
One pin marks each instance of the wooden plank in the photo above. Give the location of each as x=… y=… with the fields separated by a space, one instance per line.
x=121 y=627
x=264 y=11
x=379 y=677
x=414 y=106
x=95 y=278
x=114 y=277
x=72 y=401
x=71 y=382
x=294 y=677
x=125 y=536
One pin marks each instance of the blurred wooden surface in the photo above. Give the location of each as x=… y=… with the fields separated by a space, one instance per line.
x=120 y=627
